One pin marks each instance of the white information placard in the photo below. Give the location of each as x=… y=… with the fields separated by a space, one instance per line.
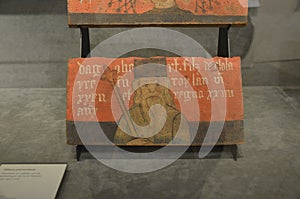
x=22 y=181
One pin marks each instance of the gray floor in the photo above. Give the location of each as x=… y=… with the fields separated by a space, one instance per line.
x=32 y=129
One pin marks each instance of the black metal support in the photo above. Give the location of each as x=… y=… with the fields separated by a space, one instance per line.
x=85 y=42
x=224 y=51
x=223 y=42
x=234 y=151
x=79 y=149
x=85 y=53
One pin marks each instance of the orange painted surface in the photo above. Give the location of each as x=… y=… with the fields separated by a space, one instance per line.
x=84 y=93
x=197 y=7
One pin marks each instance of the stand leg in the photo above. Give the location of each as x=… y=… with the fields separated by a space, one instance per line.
x=79 y=149
x=85 y=43
x=223 y=42
x=234 y=151
x=224 y=51
x=85 y=52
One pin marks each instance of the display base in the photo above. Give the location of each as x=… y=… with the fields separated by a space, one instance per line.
x=219 y=151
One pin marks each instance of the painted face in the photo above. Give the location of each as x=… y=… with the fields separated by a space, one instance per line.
x=151 y=90
x=152 y=94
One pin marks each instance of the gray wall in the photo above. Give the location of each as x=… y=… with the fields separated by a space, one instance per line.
x=277 y=31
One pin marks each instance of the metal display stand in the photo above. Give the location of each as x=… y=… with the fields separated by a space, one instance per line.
x=223 y=51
